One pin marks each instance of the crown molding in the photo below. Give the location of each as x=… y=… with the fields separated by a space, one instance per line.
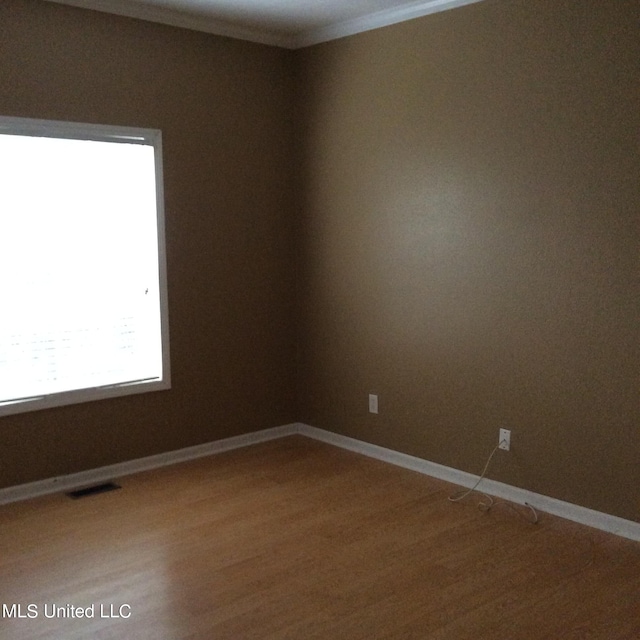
x=282 y=39
x=183 y=20
x=376 y=20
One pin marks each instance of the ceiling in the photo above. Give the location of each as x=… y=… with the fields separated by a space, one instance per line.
x=283 y=23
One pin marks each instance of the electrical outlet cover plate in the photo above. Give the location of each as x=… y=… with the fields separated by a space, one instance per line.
x=373 y=403
x=504 y=439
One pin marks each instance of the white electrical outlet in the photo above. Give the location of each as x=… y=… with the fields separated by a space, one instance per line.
x=504 y=439
x=373 y=403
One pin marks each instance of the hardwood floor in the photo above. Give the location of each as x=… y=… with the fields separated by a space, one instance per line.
x=299 y=540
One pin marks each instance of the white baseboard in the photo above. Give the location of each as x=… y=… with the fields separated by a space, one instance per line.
x=596 y=519
x=101 y=474
x=605 y=522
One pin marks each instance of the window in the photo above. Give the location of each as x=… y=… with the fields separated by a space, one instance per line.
x=83 y=300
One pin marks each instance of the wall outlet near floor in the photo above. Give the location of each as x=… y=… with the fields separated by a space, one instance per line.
x=504 y=439
x=373 y=403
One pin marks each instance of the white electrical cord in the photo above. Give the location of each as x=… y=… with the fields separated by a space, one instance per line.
x=486 y=506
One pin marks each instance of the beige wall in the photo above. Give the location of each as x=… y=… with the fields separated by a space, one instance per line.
x=467 y=244
x=471 y=242
x=224 y=110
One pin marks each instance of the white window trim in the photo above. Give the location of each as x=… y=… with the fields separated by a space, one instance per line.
x=108 y=133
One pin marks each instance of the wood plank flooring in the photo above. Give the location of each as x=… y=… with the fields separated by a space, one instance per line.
x=295 y=539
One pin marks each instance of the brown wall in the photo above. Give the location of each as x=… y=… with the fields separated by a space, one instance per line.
x=471 y=242
x=224 y=108
x=468 y=247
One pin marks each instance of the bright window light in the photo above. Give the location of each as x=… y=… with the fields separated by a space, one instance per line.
x=83 y=304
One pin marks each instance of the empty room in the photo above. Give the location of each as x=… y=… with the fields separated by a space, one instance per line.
x=319 y=319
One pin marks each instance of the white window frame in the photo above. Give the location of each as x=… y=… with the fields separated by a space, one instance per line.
x=107 y=133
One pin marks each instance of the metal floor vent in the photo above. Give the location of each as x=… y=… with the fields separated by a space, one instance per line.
x=91 y=491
